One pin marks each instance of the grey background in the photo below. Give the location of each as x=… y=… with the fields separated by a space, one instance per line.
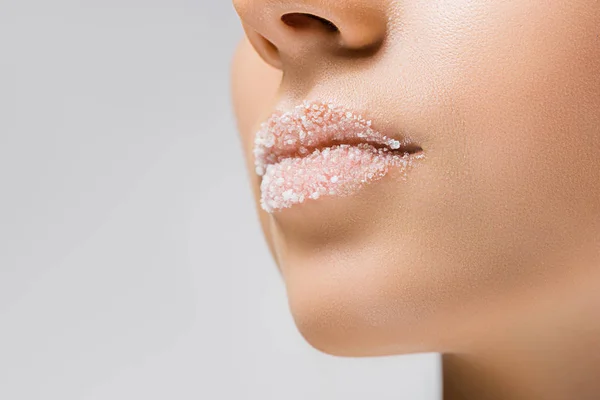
x=131 y=262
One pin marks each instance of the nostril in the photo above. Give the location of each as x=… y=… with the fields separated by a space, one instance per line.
x=302 y=20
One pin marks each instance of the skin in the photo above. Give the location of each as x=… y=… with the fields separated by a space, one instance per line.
x=488 y=251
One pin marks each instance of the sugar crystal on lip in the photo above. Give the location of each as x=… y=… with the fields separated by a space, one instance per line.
x=287 y=194
x=305 y=179
x=290 y=179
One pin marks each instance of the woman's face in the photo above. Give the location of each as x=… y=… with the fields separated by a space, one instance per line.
x=503 y=100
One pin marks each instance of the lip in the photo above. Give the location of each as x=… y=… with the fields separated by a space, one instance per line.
x=303 y=153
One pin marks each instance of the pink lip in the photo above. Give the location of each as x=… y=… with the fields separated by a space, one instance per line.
x=319 y=149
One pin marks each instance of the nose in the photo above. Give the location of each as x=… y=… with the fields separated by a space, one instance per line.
x=289 y=30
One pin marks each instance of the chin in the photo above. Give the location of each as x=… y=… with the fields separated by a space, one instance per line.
x=343 y=311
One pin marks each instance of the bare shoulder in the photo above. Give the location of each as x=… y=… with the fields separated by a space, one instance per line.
x=254 y=85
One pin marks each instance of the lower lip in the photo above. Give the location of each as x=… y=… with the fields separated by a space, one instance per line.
x=340 y=170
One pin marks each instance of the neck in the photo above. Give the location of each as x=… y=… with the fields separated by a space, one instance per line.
x=550 y=348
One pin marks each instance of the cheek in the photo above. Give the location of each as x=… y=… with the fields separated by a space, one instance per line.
x=513 y=174
x=514 y=121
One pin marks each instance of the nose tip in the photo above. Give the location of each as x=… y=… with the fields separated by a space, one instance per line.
x=280 y=29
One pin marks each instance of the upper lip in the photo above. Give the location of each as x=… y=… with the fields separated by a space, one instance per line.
x=315 y=125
